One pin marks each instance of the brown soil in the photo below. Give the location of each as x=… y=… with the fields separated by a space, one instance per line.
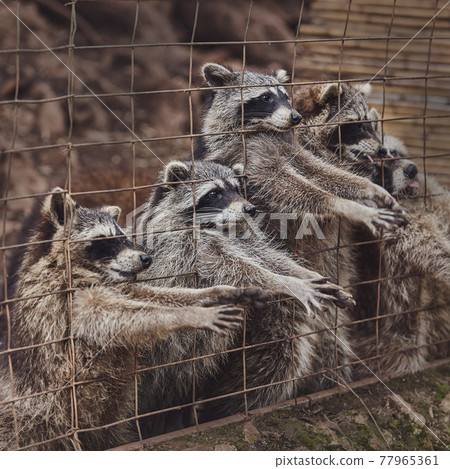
x=341 y=422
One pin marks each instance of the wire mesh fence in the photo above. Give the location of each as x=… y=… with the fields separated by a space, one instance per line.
x=97 y=98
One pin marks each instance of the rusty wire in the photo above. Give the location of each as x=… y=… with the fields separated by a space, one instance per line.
x=72 y=96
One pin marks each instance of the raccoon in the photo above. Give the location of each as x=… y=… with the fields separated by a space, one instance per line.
x=284 y=178
x=281 y=175
x=337 y=126
x=415 y=267
x=421 y=254
x=427 y=202
x=429 y=210
x=342 y=139
x=223 y=248
x=108 y=317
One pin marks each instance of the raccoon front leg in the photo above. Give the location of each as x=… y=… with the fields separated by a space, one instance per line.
x=374 y=219
x=217 y=295
x=291 y=192
x=337 y=294
x=103 y=317
x=309 y=292
x=339 y=182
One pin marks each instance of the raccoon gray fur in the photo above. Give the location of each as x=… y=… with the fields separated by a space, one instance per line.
x=246 y=259
x=106 y=320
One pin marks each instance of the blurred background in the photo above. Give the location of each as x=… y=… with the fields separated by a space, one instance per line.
x=142 y=59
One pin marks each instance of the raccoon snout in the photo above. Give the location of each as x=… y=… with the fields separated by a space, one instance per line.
x=411 y=171
x=146 y=260
x=296 y=118
x=382 y=152
x=250 y=210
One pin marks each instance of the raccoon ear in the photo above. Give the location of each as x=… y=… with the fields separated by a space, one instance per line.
x=374 y=117
x=113 y=211
x=395 y=144
x=58 y=205
x=305 y=100
x=364 y=88
x=281 y=75
x=328 y=92
x=217 y=75
x=238 y=169
x=177 y=171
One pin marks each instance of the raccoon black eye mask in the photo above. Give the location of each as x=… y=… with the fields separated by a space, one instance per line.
x=107 y=248
x=263 y=106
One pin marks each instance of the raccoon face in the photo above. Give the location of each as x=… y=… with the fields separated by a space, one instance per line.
x=109 y=249
x=269 y=110
x=219 y=203
x=222 y=206
x=263 y=100
x=343 y=109
x=96 y=241
x=357 y=139
x=400 y=175
x=358 y=142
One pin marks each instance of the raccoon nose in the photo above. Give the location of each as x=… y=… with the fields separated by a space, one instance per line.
x=382 y=152
x=146 y=260
x=411 y=171
x=250 y=209
x=295 y=118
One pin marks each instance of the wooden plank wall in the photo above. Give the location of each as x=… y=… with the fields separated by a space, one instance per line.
x=421 y=105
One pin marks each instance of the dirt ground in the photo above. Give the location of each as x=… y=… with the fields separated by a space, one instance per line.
x=340 y=422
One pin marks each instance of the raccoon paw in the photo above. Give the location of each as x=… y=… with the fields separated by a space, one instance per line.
x=336 y=294
x=251 y=296
x=307 y=292
x=388 y=220
x=376 y=219
x=381 y=197
x=222 y=318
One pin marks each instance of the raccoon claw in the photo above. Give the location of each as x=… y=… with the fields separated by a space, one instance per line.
x=344 y=300
x=398 y=221
x=227 y=317
x=389 y=220
x=337 y=295
x=321 y=281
